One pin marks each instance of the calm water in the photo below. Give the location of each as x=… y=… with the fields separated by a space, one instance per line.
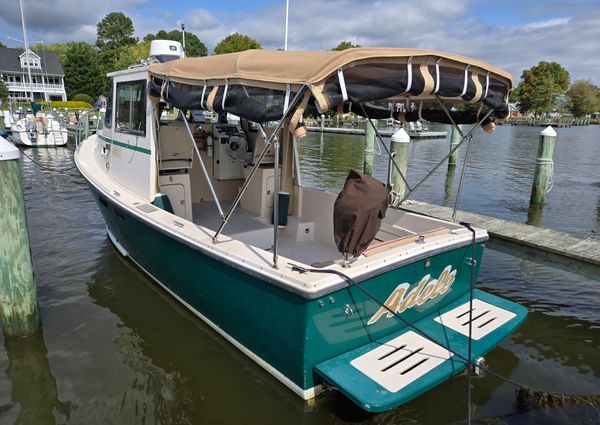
x=116 y=350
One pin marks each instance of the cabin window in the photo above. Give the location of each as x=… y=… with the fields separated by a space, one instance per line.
x=131 y=107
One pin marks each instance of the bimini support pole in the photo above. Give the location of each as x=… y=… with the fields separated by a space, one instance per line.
x=449 y=115
x=276 y=183
x=462 y=140
x=268 y=142
x=206 y=176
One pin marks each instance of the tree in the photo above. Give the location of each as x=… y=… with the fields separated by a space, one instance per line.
x=345 y=45
x=193 y=45
x=115 y=36
x=59 y=49
x=4 y=93
x=139 y=51
x=541 y=85
x=236 y=43
x=82 y=71
x=114 y=31
x=2 y=44
x=583 y=98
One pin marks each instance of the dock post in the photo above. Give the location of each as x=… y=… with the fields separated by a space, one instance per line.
x=86 y=124
x=544 y=166
x=322 y=123
x=399 y=149
x=19 y=309
x=454 y=140
x=370 y=135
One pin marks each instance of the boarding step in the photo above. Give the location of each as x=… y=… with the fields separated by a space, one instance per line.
x=395 y=369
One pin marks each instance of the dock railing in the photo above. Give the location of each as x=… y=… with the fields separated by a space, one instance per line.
x=90 y=122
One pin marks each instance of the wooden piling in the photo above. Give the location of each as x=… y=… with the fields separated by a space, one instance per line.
x=454 y=140
x=322 y=122
x=399 y=148
x=369 y=146
x=544 y=166
x=19 y=309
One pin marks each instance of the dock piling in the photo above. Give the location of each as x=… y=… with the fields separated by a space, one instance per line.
x=370 y=135
x=322 y=123
x=19 y=309
x=399 y=149
x=454 y=140
x=544 y=166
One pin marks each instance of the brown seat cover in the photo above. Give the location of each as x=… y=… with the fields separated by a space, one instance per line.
x=358 y=211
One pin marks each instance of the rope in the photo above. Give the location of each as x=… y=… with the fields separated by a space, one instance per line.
x=351 y=281
x=462 y=178
x=551 y=177
x=471 y=287
x=45 y=167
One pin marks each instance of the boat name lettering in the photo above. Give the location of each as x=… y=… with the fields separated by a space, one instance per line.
x=427 y=288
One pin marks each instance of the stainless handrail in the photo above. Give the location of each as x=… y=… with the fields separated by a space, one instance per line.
x=206 y=176
x=268 y=142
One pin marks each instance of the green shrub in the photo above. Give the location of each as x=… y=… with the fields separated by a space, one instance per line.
x=69 y=104
x=82 y=97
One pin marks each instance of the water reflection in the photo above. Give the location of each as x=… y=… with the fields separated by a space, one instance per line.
x=34 y=392
x=596 y=230
x=181 y=371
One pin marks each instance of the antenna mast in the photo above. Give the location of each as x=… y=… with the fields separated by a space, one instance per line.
x=26 y=48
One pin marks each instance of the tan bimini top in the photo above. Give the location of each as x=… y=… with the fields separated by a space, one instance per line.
x=249 y=83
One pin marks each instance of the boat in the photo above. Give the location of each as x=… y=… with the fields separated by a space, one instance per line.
x=322 y=290
x=38 y=128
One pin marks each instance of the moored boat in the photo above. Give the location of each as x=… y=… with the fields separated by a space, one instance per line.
x=38 y=128
x=317 y=288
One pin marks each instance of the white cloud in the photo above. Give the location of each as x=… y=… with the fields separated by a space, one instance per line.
x=532 y=26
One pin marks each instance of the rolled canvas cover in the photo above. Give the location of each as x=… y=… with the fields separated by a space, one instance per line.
x=253 y=84
x=358 y=211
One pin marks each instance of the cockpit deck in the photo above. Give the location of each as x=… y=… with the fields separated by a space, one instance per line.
x=258 y=232
x=308 y=239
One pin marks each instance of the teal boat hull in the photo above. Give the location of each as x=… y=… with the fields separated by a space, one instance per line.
x=285 y=332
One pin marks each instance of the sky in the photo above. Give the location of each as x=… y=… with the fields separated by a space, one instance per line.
x=511 y=34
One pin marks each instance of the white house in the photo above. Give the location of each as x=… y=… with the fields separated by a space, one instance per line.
x=47 y=74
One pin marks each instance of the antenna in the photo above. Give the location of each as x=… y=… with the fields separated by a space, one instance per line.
x=26 y=48
x=183 y=36
x=287 y=10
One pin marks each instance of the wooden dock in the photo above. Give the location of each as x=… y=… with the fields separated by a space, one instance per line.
x=385 y=132
x=556 y=122
x=567 y=251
